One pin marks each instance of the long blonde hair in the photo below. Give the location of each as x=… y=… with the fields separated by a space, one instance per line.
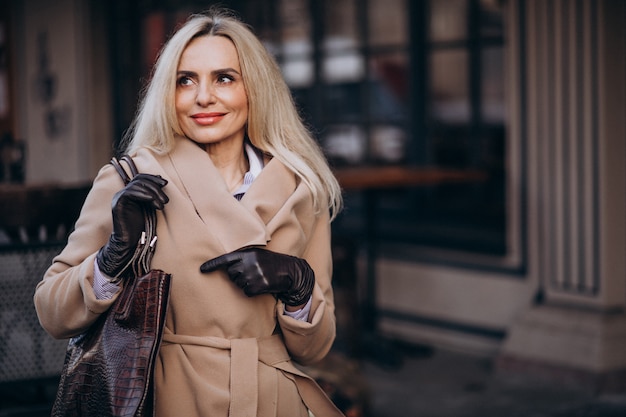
x=274 y=125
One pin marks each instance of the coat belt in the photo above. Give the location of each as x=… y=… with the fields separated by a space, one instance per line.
x=245 y=354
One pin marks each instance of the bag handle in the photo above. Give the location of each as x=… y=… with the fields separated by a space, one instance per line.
x=140 y=262
x=120 y=169
x=131 y=164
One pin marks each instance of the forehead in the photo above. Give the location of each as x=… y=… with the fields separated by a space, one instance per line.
x=210 y=52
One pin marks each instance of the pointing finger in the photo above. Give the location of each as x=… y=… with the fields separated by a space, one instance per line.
x=222 y=261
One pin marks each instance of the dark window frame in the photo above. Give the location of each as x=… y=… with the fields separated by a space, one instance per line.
x=420 y=203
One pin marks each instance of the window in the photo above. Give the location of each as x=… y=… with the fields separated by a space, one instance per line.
x=388 y=82
x=397 y=82
x=464 y=121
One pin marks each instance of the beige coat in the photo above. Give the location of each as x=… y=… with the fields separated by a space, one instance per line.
x=223 y=353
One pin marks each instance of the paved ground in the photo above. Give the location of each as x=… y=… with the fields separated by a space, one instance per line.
x=419 y=383
x=453 y=385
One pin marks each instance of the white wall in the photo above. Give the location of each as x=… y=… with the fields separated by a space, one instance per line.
x=58 y=56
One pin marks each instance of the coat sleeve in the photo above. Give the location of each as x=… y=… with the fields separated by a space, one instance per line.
x=309 y=341
x=64 y=299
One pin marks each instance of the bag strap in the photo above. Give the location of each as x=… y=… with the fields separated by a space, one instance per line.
x=140 y=262
x=120 y=169
x=131 y=164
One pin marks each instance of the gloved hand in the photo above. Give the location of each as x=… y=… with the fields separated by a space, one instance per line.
x=261 y=271
x=143 y=192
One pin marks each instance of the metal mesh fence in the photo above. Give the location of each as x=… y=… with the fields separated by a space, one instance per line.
x=26 y=350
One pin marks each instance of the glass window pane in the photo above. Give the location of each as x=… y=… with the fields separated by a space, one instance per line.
x=345 y=144
x=295 y=22
x=448 y=20
x=342 y=59
x=260 y=15
x=451 y=146
x=449 y=86
x=344 y=66
x=340 y=25
x=387 y=22
x=342 y=102
x=491 y=18
x=388 y=143
x=298 y=73
x=493 y=103
x=389 y=87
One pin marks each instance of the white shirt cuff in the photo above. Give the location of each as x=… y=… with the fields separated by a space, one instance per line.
x=303 y=313
x=102 y=287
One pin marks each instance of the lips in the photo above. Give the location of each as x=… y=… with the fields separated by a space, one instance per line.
x=207 y=119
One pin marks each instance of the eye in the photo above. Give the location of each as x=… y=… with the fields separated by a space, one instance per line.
x=184 y=80
x=225 y=79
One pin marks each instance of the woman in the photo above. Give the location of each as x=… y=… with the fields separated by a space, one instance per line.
x=244 y=202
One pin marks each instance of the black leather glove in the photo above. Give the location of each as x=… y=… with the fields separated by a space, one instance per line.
x=261 y=271
x=143 y=192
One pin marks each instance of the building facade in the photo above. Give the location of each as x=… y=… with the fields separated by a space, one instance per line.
x=527 y=265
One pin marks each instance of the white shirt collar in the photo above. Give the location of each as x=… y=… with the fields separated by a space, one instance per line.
x=256 y=165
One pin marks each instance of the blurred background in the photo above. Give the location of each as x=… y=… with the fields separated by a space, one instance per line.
x=481 y=145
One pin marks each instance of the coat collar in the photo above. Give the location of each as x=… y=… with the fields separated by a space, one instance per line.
x=193 y=172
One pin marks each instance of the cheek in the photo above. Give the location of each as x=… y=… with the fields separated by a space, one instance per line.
x=182 y=100
x=241 y=99
x=181 y=111
x=244 y=111
x=178 y=103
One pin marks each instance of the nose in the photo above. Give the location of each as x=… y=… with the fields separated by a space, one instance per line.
x=205 y=95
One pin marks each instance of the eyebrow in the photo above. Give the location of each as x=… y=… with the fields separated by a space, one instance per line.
x=214 y=72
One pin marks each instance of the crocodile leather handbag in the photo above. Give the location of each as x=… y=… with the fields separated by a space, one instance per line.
x=108 y=369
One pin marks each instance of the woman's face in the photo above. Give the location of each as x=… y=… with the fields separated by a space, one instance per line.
x=211 y=101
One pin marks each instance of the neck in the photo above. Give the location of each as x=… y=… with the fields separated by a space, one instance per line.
x=231 y=162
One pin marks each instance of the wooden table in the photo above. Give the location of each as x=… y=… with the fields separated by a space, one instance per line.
x=371 y=181
x=385 y=177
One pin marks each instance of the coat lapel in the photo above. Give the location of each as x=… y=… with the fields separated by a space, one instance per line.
x=270 y=190
x=233 y=223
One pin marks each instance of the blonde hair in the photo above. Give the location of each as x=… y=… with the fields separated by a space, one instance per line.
x=274 y=125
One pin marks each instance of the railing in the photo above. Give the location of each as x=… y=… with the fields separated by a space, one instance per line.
x=34 y=224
